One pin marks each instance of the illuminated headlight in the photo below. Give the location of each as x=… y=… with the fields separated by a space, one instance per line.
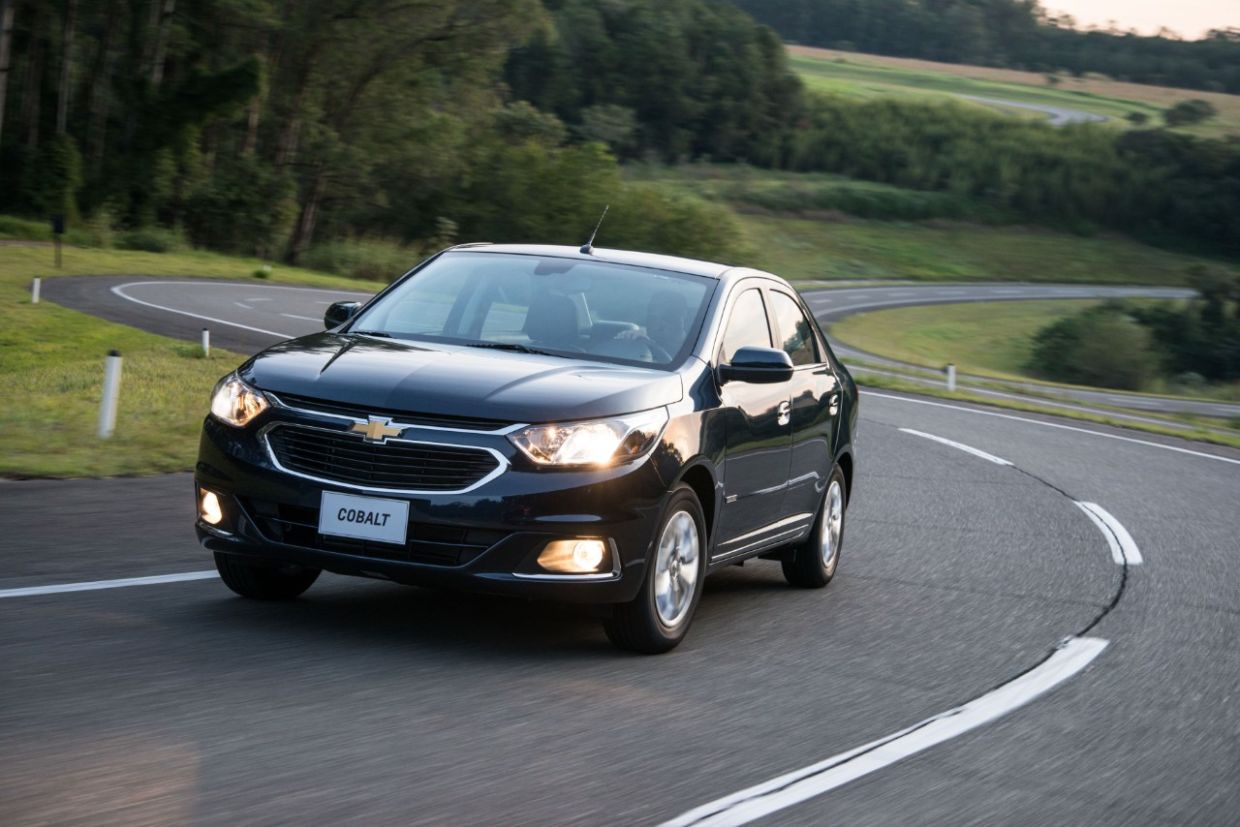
x=594 y=442
x=236 y=403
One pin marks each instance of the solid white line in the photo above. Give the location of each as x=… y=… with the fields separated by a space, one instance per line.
x=304 y=318
x=1123 y=547
x=1055 y=425
x=96 y=585
x=120 y=291
x=243 y=305
x=959 y=445
x=761 y=800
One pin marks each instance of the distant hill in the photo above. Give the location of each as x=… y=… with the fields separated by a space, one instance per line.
x=1015 y=34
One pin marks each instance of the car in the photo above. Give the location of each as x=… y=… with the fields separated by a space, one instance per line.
x=580 y=425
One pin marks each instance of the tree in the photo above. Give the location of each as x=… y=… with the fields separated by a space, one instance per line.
x=1189 y=112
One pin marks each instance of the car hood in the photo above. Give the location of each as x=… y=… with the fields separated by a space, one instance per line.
x=450 y=380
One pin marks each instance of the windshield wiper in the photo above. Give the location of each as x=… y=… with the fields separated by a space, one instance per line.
x=516 y=348
x=370 y=333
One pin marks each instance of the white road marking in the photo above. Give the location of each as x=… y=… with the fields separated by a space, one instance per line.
x=968 y=449
x=761 y=800
x=1175 y=448
x=264 y=299
x=120 y=291
x=304 y=318
x=1123 y=547
x=244 y=305
x=96 y=585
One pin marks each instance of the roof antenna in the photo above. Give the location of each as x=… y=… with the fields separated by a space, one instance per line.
x=588 y=247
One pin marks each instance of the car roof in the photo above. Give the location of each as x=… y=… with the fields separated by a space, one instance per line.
x=654 y=260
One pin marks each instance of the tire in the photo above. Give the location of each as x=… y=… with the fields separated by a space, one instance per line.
x=811 y=564
x=263 y=582
x=659 y=617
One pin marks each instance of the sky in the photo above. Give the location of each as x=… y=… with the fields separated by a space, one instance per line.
x=1190 y=18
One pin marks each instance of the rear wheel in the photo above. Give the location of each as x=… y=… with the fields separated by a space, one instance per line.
x=658 y=618
x=263 y=582
x=812 y=563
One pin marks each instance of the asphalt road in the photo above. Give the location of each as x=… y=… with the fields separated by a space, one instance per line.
x=1056 y=115
x=249 y=316
x=367 y=702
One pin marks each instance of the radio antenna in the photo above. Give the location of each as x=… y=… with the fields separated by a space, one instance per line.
x=588 y=247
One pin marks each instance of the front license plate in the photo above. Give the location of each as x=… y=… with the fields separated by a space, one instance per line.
x=363 y=518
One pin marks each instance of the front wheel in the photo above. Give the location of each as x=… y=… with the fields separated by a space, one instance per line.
x=263 y=582
x=812 y=563
x=658 y=618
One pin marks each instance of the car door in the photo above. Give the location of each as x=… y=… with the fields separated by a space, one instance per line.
x=814 y=393
x=758 y=432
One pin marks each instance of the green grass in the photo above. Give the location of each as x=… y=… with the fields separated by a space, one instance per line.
x=789 y=229
x=869 y=76
x=799 y=248
x=51 y=369
x=992 y=339
x=986 y=338
x=855 y=78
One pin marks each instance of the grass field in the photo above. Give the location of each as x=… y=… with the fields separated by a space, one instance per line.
x=803 y=248
x=987 y=338
x=51 y=369
x=983 y=338
x=863 y=75
x=788 y=230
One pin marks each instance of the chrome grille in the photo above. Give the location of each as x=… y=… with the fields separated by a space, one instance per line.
x=345 y=457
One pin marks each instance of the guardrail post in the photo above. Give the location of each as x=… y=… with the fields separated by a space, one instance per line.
x=111 y=394
x=206 y=343
x=951 y=377
x=35 y=287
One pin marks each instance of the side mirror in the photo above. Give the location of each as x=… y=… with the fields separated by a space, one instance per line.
x=339 y=313
x=757 y=365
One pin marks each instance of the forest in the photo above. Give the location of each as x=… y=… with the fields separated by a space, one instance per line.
x=1016 y=34
x=303 y=130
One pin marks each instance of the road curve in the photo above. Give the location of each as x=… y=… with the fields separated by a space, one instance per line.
x=836 y=304
x=1056 y=115
x=249 y=316
x=174 y=701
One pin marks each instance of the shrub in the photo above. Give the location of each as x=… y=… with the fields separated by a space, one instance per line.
x=151 y=240
x=1102 y=346
x=374 y=259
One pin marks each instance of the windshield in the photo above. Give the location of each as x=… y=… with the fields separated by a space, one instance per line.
x=565 y=307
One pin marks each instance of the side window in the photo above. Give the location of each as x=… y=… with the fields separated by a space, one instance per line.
x=747 y=326
x=795 y=331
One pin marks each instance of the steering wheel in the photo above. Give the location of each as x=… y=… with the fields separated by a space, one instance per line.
x=656 y=350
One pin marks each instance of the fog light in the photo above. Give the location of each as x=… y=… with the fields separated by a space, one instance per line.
x=209 y=508
x=575 y=556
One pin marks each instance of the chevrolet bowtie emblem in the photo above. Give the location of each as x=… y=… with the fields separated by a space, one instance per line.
x=378 y=429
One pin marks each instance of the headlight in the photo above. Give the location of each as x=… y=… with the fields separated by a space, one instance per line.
x=236 y=403
x=594 y=442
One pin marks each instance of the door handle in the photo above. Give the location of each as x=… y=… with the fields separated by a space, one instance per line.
x=785 y=412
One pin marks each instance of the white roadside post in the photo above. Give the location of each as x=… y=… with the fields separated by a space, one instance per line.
x=35 y=287
x=951 y=377
x=206 y=343
x=111 y=394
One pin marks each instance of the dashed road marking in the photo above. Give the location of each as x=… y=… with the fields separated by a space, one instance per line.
x=761 y=800
x=1123 y=548
x=97 y=585
x=968 y=449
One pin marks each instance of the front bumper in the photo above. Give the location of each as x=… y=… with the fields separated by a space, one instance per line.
x=485 y=539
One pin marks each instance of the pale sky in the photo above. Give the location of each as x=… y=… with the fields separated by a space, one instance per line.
x=1191 y=18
